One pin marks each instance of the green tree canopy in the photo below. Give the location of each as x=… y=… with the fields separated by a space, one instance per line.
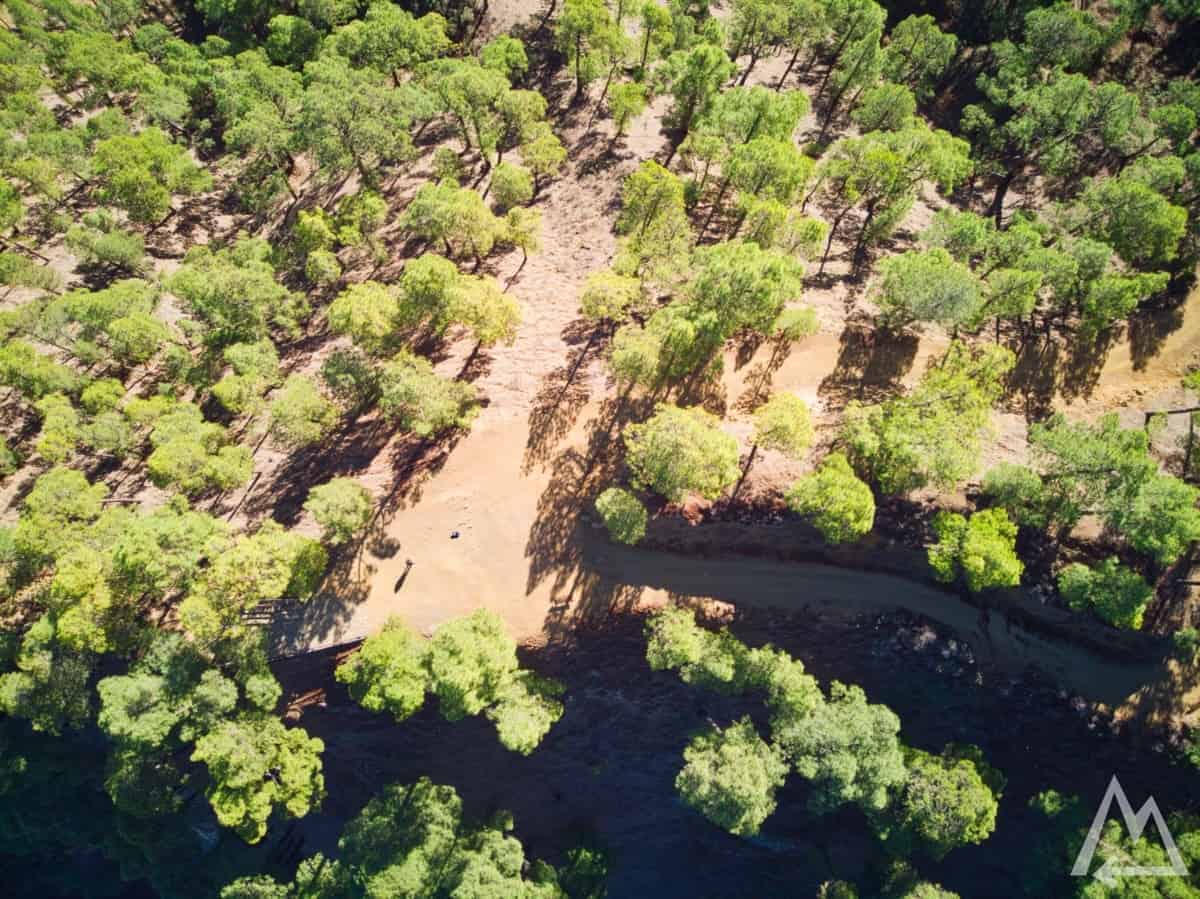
x=256 y=766
x=783 y=424
x=730 y=776
x=456 y=217
x=469 y=660
x=390 y=39
x=586 y=33
x=413 y=840
x=1103 y=469
x=693 y=78
x=839 y=505
x=421 y=401
x=352 y=120
x=680 y=451
x=927 y=286
x=654 y=224
x=608 y=296
x=193 y=455
x=234 y=294
x=270 y=564
x=300 y=413
x=918 y=53
x=1118 y=594
x=847 y=747
x=470 y=664
x=368 y=312
x=388 y=674
x=623 y=514
x=140 y=173
x=48 y=681
x=744 y=285
x=942 y=803
x=931 y=435
x=342 y=507
x=981 y=549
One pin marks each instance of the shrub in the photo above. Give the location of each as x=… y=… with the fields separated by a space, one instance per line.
x=623 y=515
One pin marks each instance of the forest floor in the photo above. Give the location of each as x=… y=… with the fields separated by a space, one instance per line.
x=499 y=518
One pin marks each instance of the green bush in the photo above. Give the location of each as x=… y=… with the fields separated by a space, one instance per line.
x=623 y=515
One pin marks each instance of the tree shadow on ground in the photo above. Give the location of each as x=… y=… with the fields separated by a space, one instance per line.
x=347 y=583
x=760 y=377
x=870 y=366
x=704 y=390
x=1046 y=368
x=1172 y=606
x=296 y=628
x=554 y=545
x=545 y=64
x=1084 y=362
x=594 y=153
x=1149 y=329
x=349 y=450
x=747 y=346
x=562 y=394
x=1034 y=378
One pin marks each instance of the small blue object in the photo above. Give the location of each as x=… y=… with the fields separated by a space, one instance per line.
x=454 y=535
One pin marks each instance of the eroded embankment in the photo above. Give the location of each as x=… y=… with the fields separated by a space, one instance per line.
x=780 y=567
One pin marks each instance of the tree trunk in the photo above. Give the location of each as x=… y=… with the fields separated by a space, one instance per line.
x=829 y=241
x=997 y=210
x=712 y=211
x=749 y=68
x=791 y=63
x=607 y=82
x=837 y=56
x=861 y=244
x=477 y=24
x=837 y=98
x=745 y=471
x=549 y=14
x=737 y=225
x=578 y=66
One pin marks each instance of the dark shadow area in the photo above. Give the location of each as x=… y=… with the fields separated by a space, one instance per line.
x=704 y=390
x=870 y=365
x=1150 y=327
x=747 y=346
x=1085 y=356
x=606 y=769
x=759 y=378
x=348 y=450
x=293 y=627
x=1033 y=381
x=382 y=546
x=562 y=395
x=1174 y=601
x=553 y=547
x=1049 y=366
